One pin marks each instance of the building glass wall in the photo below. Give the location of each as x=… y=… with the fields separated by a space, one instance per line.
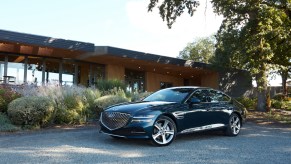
x=34 y=70
x=52 y=71
x=134 y=80
x=15 y=69
x=19 y=69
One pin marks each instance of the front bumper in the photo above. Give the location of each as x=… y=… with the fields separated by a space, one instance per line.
x=139 y=130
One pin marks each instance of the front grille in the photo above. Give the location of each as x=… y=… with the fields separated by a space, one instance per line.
x=114 y=120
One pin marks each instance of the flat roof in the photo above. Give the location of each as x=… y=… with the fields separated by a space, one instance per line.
x=124 y=53
x=23 y=38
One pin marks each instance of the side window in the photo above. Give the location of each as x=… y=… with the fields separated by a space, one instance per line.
x=202 y=95
x=224 y=97
x=217 y=96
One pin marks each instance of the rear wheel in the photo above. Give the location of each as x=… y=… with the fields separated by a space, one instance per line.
x=234 y=125
x=164 y=131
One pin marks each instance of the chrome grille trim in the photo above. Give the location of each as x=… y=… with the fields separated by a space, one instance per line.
x=114 y=120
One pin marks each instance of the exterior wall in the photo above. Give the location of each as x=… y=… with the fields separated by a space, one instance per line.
x=195 y=82
x=153 y=81
x=114 y=72
x=210 y=80
x=84 y=74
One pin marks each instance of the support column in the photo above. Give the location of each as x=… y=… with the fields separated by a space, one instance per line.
x=25 y=70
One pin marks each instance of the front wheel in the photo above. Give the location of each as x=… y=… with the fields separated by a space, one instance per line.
x=164 y=131
x=234 y=125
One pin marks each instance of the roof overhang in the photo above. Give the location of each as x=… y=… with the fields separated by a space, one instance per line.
x=148 y=62
x=15 y=42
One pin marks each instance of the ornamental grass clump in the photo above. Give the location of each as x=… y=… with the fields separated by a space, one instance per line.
x=70 y=108
x=31 y=111
x=139 y=96
x=73 y=104
x=108 y=100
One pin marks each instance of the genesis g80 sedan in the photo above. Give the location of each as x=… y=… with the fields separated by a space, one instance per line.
x=177 y=110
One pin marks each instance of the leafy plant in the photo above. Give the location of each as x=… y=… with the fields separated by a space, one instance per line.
x=6 y=96
x=6 y=125
x=277 y=104
x=34 y=111
x=279 y=97
x=249 y=103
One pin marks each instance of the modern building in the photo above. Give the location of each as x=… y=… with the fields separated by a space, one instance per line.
x=38 y=60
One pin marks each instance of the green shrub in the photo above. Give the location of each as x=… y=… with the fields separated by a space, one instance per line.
x=280 y=97
x=6 y=96
x=277 y=104
x=139 y=96
x=34 y=111
x=249 y=103
x=108 y=100
x=107 y=85
x=6 y=125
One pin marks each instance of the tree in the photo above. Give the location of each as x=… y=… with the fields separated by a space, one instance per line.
x=201 y=50
x=247 y=36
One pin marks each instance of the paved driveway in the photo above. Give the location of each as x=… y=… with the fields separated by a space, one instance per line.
x=255 y=144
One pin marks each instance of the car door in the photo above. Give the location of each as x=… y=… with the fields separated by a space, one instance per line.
x=219 y=109
x=197 y=114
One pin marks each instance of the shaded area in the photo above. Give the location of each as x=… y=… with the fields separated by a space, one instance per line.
x=254 y=145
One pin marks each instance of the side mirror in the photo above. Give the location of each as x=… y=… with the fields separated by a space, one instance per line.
x=195 y=101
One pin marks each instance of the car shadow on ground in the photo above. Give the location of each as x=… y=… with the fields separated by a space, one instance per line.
x=181 y=138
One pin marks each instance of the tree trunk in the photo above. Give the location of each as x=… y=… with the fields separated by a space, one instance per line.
x=262 y=87
x=284 y=75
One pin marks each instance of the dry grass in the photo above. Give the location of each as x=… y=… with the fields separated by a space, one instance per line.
x=274 y=117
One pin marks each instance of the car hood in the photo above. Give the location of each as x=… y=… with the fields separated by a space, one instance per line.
x=132 y=108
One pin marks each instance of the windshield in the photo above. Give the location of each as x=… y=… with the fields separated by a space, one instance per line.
x=170 y=95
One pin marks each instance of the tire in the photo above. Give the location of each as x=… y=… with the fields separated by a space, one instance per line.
x=164 y=131
x=234 y=125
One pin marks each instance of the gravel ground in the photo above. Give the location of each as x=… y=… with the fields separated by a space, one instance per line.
x=255 y=144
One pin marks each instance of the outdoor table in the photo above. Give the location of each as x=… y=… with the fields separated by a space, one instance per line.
x=8 y=79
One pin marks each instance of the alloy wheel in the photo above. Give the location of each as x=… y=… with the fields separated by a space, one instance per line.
x=234 y=125
x=164 y=131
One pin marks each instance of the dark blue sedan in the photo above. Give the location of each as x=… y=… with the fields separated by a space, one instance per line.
x=168 y=112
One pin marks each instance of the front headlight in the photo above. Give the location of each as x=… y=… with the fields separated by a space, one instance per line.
x=143 y=118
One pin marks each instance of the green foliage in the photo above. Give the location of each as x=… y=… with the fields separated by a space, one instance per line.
x=254 y=35
x=249 y=103
x=277 y=104
x=201 y=50
x=280 y=97
x=139 y=96
x=106 y=85
x=6 y=96
x=6 y=125
x=32 y=111
x=281 y=104
x=108 y=100
x=170 y=10
x=116 y=91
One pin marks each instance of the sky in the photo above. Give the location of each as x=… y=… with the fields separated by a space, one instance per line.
x=117 y=23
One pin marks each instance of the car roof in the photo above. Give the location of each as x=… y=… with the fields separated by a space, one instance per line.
x=189 y=87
